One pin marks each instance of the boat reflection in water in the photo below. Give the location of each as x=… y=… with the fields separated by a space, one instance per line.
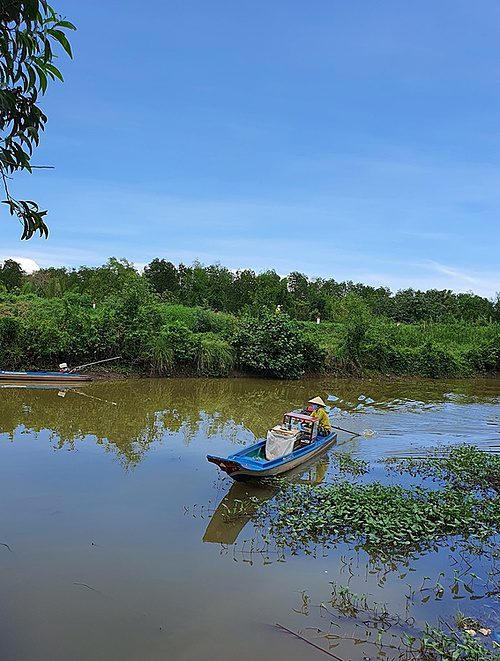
x=244 y=499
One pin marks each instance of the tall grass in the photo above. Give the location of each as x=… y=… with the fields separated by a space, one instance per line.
x=215 y=356
x=162 y=354
x=199 y=320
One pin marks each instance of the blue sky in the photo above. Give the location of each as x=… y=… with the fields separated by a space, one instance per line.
x=355 y=140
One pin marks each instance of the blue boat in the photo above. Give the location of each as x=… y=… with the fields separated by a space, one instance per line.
x=46 y=377
x=259 y=460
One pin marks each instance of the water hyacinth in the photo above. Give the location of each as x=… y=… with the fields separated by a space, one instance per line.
x=465 y=466
x=383 y=519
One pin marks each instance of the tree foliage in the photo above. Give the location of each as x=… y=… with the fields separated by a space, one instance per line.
x=28 y=31
x=272 y=345
x=11 y=275
x=205 y=320
x=246 y=292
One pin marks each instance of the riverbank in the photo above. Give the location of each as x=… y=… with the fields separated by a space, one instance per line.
x=159 y=339
x=130 y=375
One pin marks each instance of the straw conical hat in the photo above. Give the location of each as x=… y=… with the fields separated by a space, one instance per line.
x=317 y=400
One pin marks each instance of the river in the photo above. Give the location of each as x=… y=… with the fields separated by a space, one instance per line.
x=113 y=547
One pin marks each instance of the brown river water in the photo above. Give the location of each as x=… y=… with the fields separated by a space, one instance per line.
x=112 y=546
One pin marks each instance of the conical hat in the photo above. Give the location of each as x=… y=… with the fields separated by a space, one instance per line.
x=317 y=400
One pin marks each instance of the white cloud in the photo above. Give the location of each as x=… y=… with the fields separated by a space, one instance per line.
x=27 y=264
x=433 y=275
x=454 y=273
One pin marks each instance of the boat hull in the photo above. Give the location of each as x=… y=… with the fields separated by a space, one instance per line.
x=242 y=466
x=46 y=377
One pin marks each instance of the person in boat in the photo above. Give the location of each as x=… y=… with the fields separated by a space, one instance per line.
x=319 y=412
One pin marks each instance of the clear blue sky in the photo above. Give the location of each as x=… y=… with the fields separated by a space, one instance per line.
x=355 y=140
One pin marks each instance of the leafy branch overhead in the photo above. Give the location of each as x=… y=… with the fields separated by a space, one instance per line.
x=28 y=31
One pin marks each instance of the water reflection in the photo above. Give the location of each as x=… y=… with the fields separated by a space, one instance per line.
x=76 y=519
x=128 y=417
x=243 y=500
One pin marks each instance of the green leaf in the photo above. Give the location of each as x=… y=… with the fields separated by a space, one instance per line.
x=54 y=70
x=59 y=36
x=67 y=25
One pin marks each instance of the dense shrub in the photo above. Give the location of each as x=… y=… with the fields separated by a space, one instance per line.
x=9 y=331
x=314 y=354
x=39 y=333
x=182 y=342
x=207 y=321
x=484 y=357
x=182 y=314
x=271 y=346
x=434 y=361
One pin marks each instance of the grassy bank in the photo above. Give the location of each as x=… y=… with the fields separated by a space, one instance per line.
x=155 y=337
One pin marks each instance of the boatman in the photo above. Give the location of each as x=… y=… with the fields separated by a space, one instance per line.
x=319 y=412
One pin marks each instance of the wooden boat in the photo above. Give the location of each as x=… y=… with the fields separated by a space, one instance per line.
x=252 y=462
x=48 y=377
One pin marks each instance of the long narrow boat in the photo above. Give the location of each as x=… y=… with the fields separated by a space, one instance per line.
x=51 y=377
x=252 y=462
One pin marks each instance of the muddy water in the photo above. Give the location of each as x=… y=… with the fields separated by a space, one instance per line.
x=113 y=544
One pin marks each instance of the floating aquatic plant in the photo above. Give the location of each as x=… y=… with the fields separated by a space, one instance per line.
x=384 y=519
x=346 y=463
x=464 y=466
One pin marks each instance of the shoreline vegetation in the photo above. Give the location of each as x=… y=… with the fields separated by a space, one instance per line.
x=210 y=321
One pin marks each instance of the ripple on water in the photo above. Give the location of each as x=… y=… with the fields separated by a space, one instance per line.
x=134 y=503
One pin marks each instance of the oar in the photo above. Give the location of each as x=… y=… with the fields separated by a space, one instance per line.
x=367 y=433
x=354 y=433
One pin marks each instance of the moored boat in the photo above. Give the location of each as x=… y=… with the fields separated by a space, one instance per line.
x=262 y=459
x=50 y=377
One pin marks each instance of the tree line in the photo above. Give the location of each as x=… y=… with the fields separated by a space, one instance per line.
x=245 y=292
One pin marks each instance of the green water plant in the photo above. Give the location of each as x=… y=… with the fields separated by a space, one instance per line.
x=464 y=466
x=346 y=463
x=383 y=519
x=453 y=645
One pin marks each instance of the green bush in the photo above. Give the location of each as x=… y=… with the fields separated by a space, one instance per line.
x=182 y=341
x=271 y=346
x=172 y=314
x=484 y=357
x=9 y=331
x=435 y=361
x=314 y=354
x=356 y=322
x=380 y=354
x=208 y=321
